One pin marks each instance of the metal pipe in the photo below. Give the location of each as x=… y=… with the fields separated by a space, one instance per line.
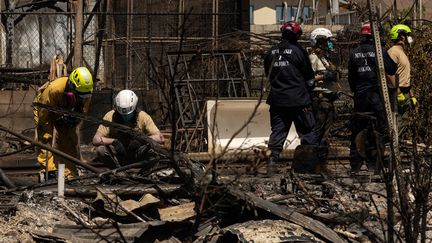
x=60 y=181
x=298 y=10
x=285 y=12
x=53 y=150
x=117 y=13
x=8 y=183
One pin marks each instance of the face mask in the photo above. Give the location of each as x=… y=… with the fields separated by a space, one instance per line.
x=329 y=46
x=70 y=100
x=410 y=40
x=127 y=117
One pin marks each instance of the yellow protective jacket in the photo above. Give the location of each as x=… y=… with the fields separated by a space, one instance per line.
x=53 y=95
x=67 y=140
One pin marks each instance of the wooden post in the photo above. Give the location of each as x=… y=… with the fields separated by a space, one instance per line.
x=128 y=45
x=1 y=38
x=79 y=19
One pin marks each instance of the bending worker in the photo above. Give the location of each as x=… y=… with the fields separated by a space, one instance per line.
x=117 y=148
x=72 y=93
x=291 y=77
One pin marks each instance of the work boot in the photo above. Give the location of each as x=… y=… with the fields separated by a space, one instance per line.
x=51 y=176
x=355 y=168
x=271 y=166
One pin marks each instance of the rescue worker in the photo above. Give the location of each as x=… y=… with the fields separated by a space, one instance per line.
x=401 y=37
x=324 y=93
x=364 y=83
x=113 y=145
x=291 y=78
x=72 y=93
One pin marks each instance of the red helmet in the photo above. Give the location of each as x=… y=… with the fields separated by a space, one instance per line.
x=291 y=27
x=366 y=28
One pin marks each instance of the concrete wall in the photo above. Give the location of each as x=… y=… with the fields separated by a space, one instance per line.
x=16 y=111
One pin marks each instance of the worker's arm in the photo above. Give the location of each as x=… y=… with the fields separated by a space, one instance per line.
x=46 y=118
x=148 y=127
x=157 y=137
x=102 y=136
x=100 y=139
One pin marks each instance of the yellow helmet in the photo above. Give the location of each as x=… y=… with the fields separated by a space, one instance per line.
x=81 y=80
x=399 y=29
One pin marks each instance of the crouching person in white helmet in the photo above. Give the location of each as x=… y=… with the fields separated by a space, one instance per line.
x=117 y=148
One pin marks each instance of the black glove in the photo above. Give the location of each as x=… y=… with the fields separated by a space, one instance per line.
x=330 y=76
x=67 y=120
x=331 y=96
x=119 y=148
x=134 y=145
x=310 y=84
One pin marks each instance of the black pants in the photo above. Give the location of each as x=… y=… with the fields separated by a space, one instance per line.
x=281 y=119
x=367 y=102
x=324 y=112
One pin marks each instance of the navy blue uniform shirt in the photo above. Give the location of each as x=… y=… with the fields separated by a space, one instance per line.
x=289 y=68
x=362 y=67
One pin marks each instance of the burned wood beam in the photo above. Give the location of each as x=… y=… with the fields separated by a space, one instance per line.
x=53 y=150
x=291 y=215
x=20 y=70
x=15 y=79
x=137 y=191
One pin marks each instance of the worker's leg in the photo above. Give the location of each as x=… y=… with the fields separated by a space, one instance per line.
x=280 y=125
x=44 y=155
x=44 y=137
x=304 y=122
x=67 y=141
x=104 y=156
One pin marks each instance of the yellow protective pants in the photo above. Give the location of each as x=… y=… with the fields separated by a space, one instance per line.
x=66 y=140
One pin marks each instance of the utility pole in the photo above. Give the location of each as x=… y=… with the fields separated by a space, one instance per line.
x=394 y=168
x=79 y=19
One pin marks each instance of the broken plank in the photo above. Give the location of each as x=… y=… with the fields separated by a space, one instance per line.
x=291 y=215
x=177 y=213
x=118 y=190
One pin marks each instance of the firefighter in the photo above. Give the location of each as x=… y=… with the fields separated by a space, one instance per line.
x=113 y=145
x=291 y=78
x=72 y=93
x=324 y=93
x=364 y=83
x=401 y=37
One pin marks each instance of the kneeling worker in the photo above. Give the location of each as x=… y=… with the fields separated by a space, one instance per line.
x=114 y=146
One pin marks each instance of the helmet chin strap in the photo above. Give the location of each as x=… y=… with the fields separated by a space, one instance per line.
x=71 y=100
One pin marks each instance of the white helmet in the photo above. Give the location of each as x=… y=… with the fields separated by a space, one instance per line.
x=126 y=102
x=319 y=33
